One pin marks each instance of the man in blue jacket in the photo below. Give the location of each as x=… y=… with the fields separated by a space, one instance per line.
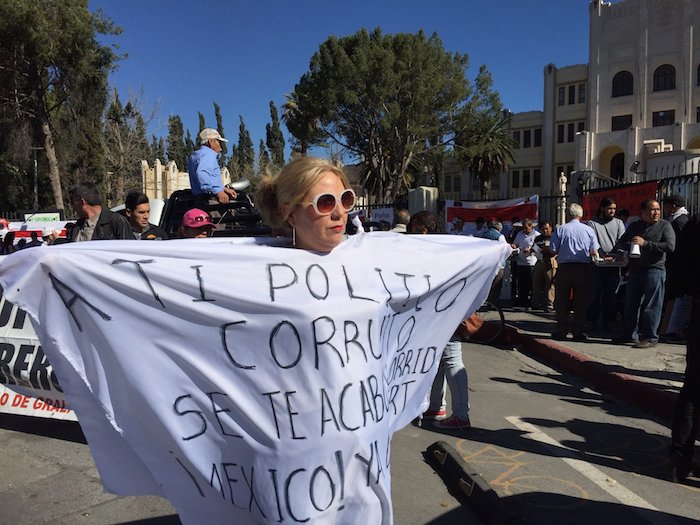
x=205 y=173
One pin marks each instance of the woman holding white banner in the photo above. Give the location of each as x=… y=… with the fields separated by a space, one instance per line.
x=242 y=379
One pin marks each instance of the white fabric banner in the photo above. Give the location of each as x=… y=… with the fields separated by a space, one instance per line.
x=250 y=383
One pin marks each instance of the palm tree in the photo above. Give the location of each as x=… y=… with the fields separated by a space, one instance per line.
x=488 y=148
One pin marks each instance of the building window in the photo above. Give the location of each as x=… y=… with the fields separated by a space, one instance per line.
x=560 y=133
x=582 y=93
x=621 y=122
x=572 y=94
x=622 y=84
x=665 y=78
x=663 y=118
x=526 y=178
x=516 y=138
x=527 y=138
x=538 y=137
x=570 y=132
x=697 y=114
x=516 y=179
x=562 y=96
x=580 y=126
x=537 y=177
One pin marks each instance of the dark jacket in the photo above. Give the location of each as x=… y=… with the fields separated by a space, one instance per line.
x=659 y=240
x=110 y=226
x=153 y=233
x=688 y=251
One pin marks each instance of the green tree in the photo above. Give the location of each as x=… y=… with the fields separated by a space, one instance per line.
x=157 y=149
x=176 y=142
x=274 y=138
x=302 y=123
x=54 y=78
x=245 y=151
x=125 y=144
x=263 y=158
x=220 y=129
x=189 y=147
x=202 y=122
x=390 y=101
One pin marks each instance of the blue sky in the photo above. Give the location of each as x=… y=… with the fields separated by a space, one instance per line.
x=184 y=55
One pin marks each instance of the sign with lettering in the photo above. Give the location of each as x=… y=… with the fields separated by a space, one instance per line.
x=627 y=197
x=246 y=382
x=28 y=384
x=504 y=210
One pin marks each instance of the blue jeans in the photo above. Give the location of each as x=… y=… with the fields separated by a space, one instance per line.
x=451 y=368
x=645 y=289
x=601 y=298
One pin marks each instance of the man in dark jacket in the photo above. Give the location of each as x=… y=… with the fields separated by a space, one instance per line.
x=685 y=420
x=675 y=213
x=647 y=275
x=95 y=223
x=138 y=211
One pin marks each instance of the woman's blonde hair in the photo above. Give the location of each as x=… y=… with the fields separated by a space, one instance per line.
x=290 y=185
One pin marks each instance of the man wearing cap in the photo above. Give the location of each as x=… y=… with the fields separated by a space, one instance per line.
x=49 y=235
x=196 y=224
x=674 y=212
x=205 y=173
x=138 y=211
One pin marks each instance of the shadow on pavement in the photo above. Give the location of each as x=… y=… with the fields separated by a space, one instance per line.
x=53 y=428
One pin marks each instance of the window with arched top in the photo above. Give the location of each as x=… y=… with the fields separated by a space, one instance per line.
x=665 y=78
x=622 y=84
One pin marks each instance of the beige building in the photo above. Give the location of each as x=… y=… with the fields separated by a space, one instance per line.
x=631 y=114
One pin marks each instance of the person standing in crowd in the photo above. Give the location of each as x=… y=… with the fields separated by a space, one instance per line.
x=647 y=274
x=458 y=226
x=401 y=218
x=451 y=370
x=544 y=271
x=604 y=280
x=138 y=211
x=493 y=231
x=674 y=212
x=624 y=216
x=35 y=241
x=50 y=236
x=574 y=244
x=205 y=173
x=95 y=223
x=196 y=224
x=525 y=260
x=684 y=430
x=8 y=243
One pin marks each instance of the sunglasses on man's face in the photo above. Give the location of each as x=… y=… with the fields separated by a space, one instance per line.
x=325 y=203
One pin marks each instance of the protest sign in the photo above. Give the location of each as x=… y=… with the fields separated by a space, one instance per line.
x=469 y=211
x=627 y=197
x=28 y=384
x=250 y=383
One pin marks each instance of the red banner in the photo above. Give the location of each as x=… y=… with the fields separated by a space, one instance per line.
x=504 y=210
x=628 y=197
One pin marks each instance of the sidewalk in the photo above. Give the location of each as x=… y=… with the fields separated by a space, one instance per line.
x=648 y=378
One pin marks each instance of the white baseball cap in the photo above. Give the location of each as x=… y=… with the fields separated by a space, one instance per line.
x=208 y=133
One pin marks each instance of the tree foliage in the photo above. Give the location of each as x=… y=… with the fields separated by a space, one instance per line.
x=245 y=151
x=220 y=129
x=125 y=145
x=175 y=142
x=391 y=101
x=274 y=138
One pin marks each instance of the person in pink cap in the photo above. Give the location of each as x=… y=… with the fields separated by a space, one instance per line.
x=196 y=224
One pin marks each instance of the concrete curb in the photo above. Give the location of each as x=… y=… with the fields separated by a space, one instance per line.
x=467 y=485
x=646 y=396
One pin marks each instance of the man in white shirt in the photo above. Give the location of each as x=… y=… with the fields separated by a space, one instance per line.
x=526 y=261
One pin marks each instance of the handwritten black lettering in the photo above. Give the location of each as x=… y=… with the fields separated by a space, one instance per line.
x=62 y=288
x=223 y=330
x=200 y=282
x=197 y=413
x=323 y=295
x=284 y=346
x=294 y=278
x=216 y=410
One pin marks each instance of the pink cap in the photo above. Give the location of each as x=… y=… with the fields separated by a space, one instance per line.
x=196 y=218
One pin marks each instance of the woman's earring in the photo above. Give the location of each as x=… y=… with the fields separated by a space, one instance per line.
x=294 y=236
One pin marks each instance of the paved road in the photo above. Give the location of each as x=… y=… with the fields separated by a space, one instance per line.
x=48 y=476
